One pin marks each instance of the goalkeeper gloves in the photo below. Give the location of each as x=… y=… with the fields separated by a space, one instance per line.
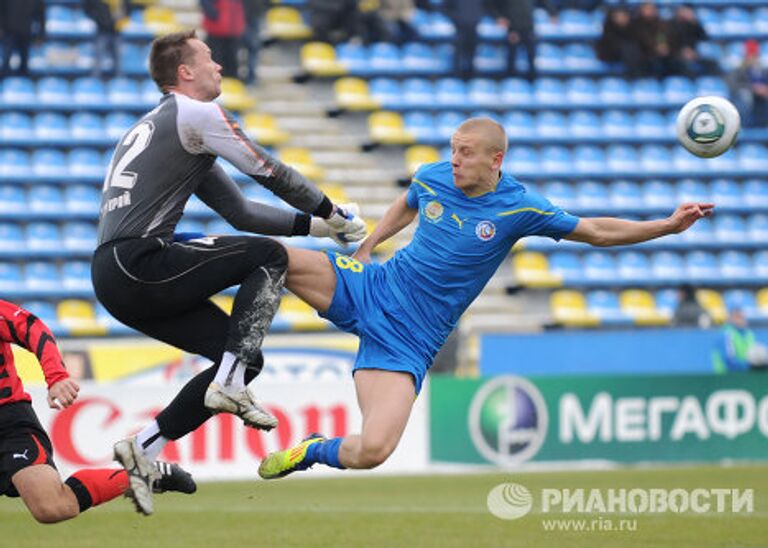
x=344 y=226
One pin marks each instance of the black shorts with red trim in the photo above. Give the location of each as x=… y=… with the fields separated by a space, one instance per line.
x=23 y=442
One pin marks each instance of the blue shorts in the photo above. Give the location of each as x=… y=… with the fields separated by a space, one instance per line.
x=389 y=338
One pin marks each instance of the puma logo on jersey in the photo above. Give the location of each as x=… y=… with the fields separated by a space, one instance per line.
x=459 y=222
x=21 y=455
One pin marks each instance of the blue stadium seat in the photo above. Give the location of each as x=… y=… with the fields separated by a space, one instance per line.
x=625 y=196
x=761 y=21
x=622 y=159
x=735 y=267
x=685 y=162
x=549 y=58
x=592 y=195
x=85 y=162
x=11 y=279
x=730 y=229
x=18 y=91
x=544 y=25
x=615 y=91
x=633 y=268
x=88 y=91
x=736 y=22
x=45 y=311
x=79 y=237
x=562 y=194
x=760 y=262
x=589 y=159
x=133 y=59
x=14 y=163
x=518 y=124
x=702 y=267
x=43 y=237
x=354 y=57
x=551 y=124
x=700 y=234
x=757 y=228
x=668 y=268
x=726 y=193
x=385 y=57
x=516 y=92
x=86 y=126
x=605 y=305
x=53 y=90
x=51 y=126
x=421 y=125
x=12 y=240
x=730 y=162
x=568 y=266
x=692 y=190
x=647 y=92
x=420 y=58
x=678 y=90
x=49 y=162
x=489 y=31
x=60 y=20
x=123 y=92
x=577 y=24
x=150 y=95
x=490 y=59
x=483 y=92
x=711 y=85
x=446 y=123
x=15 y=126
x=580 y=57
x=451 y=93
x=117 y=123
x=600 y=266
x=744 y=300
x=584 y=123
x=650 y=124
x=387 y=92
x=76 y=276
x=755 y=193
x=581 y=91
x=418 y=93
x=751 y=157
x=86 y=56
x=666 y=301
x=556 y=159
x=549 y=92
x=79 y=199
x=617 y=123
x=13 y=200
x=45 y=200
x=433 y=26
x=522 y=161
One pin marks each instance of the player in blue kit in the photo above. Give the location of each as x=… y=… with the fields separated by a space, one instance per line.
x=470 y=215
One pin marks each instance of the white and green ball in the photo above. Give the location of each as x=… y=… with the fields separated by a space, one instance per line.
x=708 y=126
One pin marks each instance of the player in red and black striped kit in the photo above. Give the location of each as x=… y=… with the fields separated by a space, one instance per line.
x=26 y=455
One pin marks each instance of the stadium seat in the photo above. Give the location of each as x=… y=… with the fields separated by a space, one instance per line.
x=18 y=91
x=299 y=315
x=55 y=91
x=640 y=305
x=655 y=158
x=421 y=125
x=286 y=23
x=44 y=310
x=76 y=277
x=702 y=267
x=490 y=59
x=522 y=161
x=647 y=92
x=581 y=91
x=691 y=190
x=730 y=229
x=556 y=159
x=49 y=163
x=615 y=91
x=81 y=199
x=386 y=92
x=11 y=279
x=659 y=195
x=711 y=85
x=78 y=318
x=12 y=241
x=625 y=196
x=86 y=126
x=440 y=27
x=45 y=200
x=451 y=93
x=744 y=300
x=385 y=58
x=301 y=160
x=50 y=126
x=235 y=96
x=668 y=268
x=756 y=193
x=567 y=266
x=580 y=57
x=617 y=123
x=352 y=58
x=14 y=164
x=650 y=124
x=577 y=24
x=582 y=123
x=551 y=124
x=264 y=130
x=549 y=58
x=482 y=93
x=589 y=159
x=735 y=267
x=633 y=268
x=600 y=267
x=666 y=301
x=592 y=195
x=86 y=162
x=532 y=270
x=516 y=92
x=736 y=22
x=518 y=124
x=117 y=123
x=123 y=92
x=43 y=237
x=353 y=94
x=726 y=193
x=562 y=194
x=445 y=124
x=549 y=92
x=15 y=126
x=417 y=93
x=419 y=58
x=79 y=237
x=88 y=91
x=761 y=297
x=751 y=157
x=489 y=31
x=678 y=90
x=605 y=305
x=388 y=128
x=622 y=159
x=416 y=155
x=13 y=200
x=760 y=262
x=757 y=229
x=150 y=95
x=700 y=234
x=42 y=278
x=569 y=308
x=713 y=303
x=160 y=20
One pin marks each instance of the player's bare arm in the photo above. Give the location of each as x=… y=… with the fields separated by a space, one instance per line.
x=397 y=217
x=608 y=231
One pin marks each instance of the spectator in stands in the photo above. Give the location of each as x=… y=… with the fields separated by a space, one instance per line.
x=737 y=349
x=689 y=312
x=23 y=22
x=516 y=16
x=224 y=24
x=616 y=45
x=465 y=14
x=106 y=43
x=330 y=19
x=749 y=87
x=370 y=26
x=254 y=11
x=650 y=32
x=397 y=15
x=685 y=34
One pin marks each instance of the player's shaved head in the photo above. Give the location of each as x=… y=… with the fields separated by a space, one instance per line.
x=492 y=132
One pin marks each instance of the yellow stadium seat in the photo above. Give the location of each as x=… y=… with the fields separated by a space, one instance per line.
x=301 y=160
x=388 y=128
x=235 y=96
x=353 y=94
x=161 y=20
x=319 y=58
x=762 y=300
x=263 y=129
x=420 y=154
x=532 y=270
x=286 y=23
x=225 y=302
x=569 y=308
x=300 y=315
x=640 y=305
x=713 y=303
x=79 y=318
x=335 y=192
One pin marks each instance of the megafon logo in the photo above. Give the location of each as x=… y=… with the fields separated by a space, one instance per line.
x=508 y=420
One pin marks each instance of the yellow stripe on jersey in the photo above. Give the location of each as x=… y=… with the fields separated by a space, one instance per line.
x=523 y=210
x=415 y=180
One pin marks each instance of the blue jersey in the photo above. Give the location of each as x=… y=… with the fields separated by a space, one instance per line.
x=460 y=242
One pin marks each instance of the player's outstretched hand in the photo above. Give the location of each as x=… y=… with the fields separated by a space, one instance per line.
x=62 y=394
x=687 y=214
x=344 y=226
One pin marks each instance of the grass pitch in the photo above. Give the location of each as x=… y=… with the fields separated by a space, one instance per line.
x=401 y=512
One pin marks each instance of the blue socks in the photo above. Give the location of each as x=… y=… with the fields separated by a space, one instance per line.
x=325 y=452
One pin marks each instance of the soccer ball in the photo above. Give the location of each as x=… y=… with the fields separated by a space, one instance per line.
x=708 y=126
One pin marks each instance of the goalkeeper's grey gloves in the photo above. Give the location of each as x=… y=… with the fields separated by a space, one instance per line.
x=344 y=226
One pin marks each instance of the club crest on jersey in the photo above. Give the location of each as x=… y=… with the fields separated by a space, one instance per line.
x=485 y=230
x=433 y=211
